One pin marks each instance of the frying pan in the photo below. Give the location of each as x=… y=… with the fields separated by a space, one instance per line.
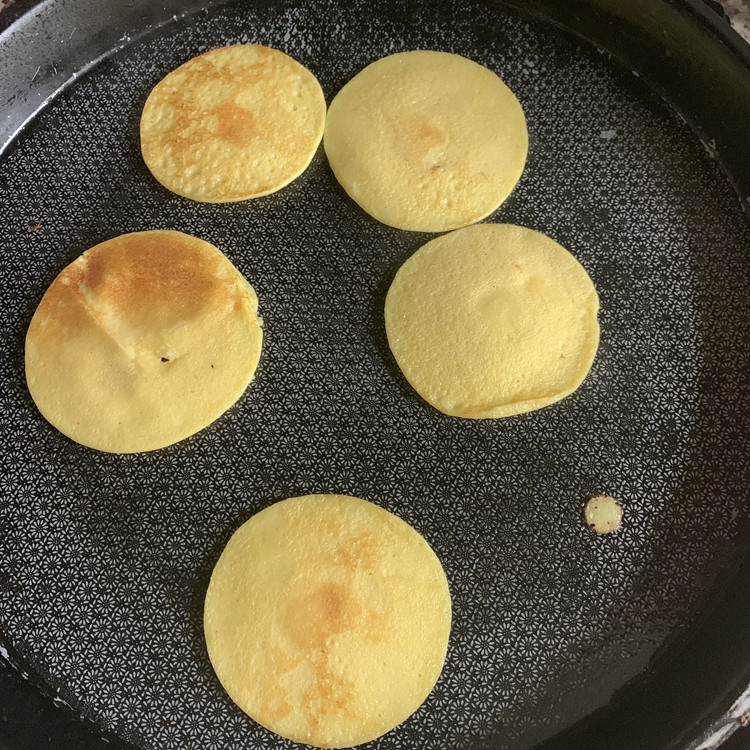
x=638 y=115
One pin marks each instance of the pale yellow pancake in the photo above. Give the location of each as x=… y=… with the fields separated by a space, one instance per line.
x=492 y=320
x=234 y=123
x=327 y=619
x=426 y=141
x=142 y=341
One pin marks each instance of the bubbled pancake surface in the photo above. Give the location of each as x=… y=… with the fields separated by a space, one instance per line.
x=327 y=619
x=427 y=141
x=142 y=341
x=492 y=320
x=234 y=123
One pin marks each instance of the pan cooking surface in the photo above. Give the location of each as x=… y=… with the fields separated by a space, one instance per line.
x=104 y=559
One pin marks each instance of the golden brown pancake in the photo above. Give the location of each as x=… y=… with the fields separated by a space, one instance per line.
x=234 y=123
x=427 y=141
x=492 y=320
x=327 y=619
x=142 y=341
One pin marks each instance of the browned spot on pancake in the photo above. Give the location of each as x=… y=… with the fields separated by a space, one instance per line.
x=330 y=694
x=219 y=128
x=274 y=696
x=375 y=626
x=158 y=275
x=274 y=699
x=236 y=124
x=275 y=705
x=326 y=611
x=61 y=313
x=363 y=551
x=186 y=130
x=428 y=134
x=189 y=128
x=419 y=136
x=189 y=123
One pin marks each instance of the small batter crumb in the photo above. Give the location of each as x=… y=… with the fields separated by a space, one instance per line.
x=603 y=514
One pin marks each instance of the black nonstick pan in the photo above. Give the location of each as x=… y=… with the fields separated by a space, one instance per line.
x=638 y=115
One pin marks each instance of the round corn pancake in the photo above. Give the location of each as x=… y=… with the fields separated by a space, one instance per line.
x=234 y=123
x=142 y=341
x=327 y=619
x=492 y=320
x=426 y=141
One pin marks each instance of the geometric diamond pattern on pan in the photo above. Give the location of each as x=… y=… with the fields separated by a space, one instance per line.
x=104 y=560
